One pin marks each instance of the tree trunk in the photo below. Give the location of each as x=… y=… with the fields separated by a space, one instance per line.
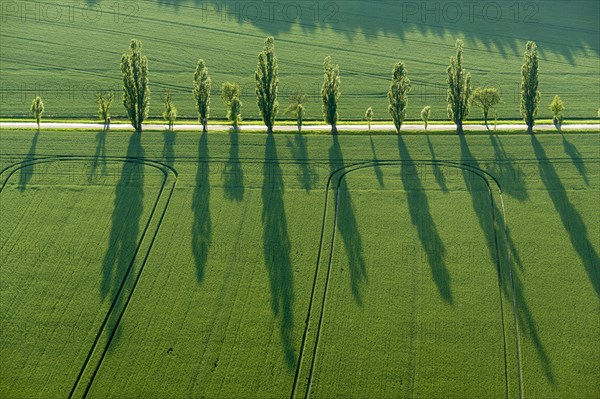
x=334 y=129
x=485 y=119
x=204 y=125
x=459 y=128
x=530 y=128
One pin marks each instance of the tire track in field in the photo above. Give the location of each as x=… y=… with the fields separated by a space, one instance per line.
x=342 y=172
x=167 y=172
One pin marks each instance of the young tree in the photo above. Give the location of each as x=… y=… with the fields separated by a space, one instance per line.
x=136 y=94
x=104 y=103
x=398 y=95
x=331 y=93
x=369 y=117
x=486 y=98
x=170 y=112
x=297 y=109
x=37 y=109
x=267 y=82
x=201 y=90
x=557 y=106
x=530 y=95
x=459 y=89
x=230 y=94
x=299 y=117
x=425 y=113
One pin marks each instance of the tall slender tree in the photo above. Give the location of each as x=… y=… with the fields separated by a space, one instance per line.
x=267 y=82
x=202 y=84
x=398 y=95
x=331 y=93
x=530 y=95
x=37 y=109
x=459 y=89
x=136 y=94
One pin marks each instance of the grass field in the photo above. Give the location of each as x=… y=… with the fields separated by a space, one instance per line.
x=65 y=52
x=245 y=265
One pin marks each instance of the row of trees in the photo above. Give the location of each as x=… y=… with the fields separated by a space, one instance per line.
x=460 y=93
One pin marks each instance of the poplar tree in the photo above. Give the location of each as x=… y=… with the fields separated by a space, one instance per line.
x=136 y=94
x=398 y=95
x=202 y=84
x=459 y=89
x=267 y=82
x=530 y=95
x=330 y=93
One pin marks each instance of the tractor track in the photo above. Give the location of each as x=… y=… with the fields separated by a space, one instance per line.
x=167 y=171
x=340 y=173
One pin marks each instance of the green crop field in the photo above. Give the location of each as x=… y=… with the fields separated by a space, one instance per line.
x=66 y=51
x=226 y=265
x=238 y=264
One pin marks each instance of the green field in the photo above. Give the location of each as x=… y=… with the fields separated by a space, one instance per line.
x=228 y=265
x=65 y=52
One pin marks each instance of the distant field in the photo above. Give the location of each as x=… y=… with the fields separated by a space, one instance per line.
x=224 y=265
x=67 y=51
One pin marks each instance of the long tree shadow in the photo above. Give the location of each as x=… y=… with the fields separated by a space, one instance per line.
x=277 y=248
x=376 y=167
x=233 y=173
x=576 y=158
x=571 y=219
x=509 y=173
x=308 y=174
x=26 y=172
x=437 y=170
x=168 y=153
x=99 y=160
x=509 y=279
x=347 y=225
x=202 y=225
x=125 y=228
x=420 y=216
x=399 y=20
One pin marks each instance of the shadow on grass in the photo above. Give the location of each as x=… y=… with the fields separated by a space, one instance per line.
x=233 y=174
x=575 y=156
x=347 y=225
x=168 y=154
x=26 y=172
x=376 y=167
x=202 y=226
x=308 y=174
x=509 y=173
x=480 y=198
x=420 y=216
x=276 y=249
x=571 y=219
x=437 y=170
x=125 y=228
x=405 y=21
x=99 y=160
